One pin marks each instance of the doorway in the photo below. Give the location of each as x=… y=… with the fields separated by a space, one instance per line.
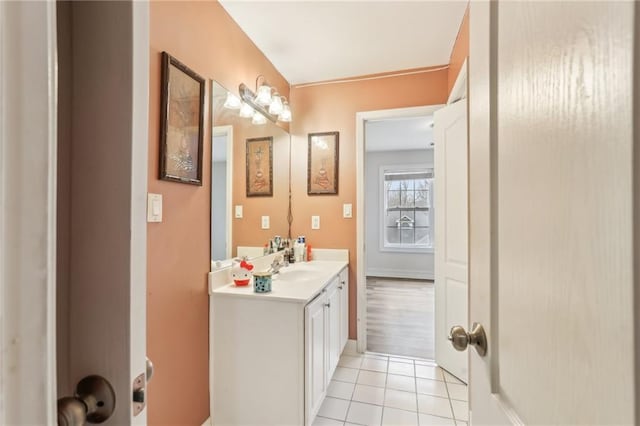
x=399 y=260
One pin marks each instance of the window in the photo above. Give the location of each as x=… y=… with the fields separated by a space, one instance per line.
x=407 y=209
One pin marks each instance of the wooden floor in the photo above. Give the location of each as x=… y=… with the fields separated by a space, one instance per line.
x=400 y=317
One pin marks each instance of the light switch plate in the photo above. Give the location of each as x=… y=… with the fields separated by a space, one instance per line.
x=154 y=207
x=347 y=211
x=238 y=212
x=265 y=222
x=315 y=222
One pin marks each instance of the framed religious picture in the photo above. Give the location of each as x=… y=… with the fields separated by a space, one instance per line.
x=181 y=122
x=322 y=165
x=260 y=167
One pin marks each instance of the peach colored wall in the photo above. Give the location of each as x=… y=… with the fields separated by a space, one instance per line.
x=333 y=107
x=201 y=35
x=460 y=51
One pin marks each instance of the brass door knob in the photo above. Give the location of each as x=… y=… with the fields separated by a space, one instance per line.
x=460 y=339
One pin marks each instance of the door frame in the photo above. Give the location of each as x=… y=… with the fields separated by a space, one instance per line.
x=226 y=130
x=361 y=279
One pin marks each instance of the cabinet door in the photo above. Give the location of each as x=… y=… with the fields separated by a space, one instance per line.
x=343 y=286
x=333 y=325
x=315 y=352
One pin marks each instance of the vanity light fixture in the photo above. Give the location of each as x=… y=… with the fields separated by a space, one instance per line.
x=267 y=104
x=276 y=108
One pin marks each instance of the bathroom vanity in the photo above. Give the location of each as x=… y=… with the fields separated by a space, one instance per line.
x=273 y=354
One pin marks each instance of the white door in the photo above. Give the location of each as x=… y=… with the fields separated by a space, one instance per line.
x=99 y=326
x=333 y=323
x=451 y=239
x=344 y=308
x=315 y=355
x=551 y=219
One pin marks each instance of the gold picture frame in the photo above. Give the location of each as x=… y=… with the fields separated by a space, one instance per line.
x=260 y=167
x=322 y=164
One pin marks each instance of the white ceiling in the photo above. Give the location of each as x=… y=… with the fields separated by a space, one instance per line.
x=310 y=41
x=399 y=134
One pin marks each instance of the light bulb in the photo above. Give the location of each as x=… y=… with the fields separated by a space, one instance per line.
x=246 y=110
x=285 y=115
x=276 y=106
x=232 y=101
x=258 y=118
x=264 y=95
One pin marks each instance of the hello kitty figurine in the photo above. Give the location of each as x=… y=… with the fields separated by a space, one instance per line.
x=241 y=273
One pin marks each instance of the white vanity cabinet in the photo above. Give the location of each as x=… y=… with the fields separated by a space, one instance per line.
x=273 y=354
x=324 y=325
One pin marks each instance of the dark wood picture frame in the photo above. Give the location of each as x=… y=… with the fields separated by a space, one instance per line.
x=181 y=122
x=323 y=163
x=259 y=185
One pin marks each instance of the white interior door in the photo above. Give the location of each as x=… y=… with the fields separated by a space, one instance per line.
x=27 y=213
x=83 y=215
x=451 y=236
x=551 y=217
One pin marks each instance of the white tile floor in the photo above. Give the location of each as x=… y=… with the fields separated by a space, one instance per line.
x=375 y=389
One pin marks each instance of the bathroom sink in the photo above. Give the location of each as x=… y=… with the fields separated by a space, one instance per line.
x=298 y=272
x=295 y=274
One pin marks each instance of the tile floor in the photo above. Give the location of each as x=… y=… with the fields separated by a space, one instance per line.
x=375 y=389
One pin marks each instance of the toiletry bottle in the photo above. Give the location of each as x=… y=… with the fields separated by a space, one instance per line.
x=309 y=257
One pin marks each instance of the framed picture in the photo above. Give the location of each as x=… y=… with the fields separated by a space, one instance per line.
x=322 y=166
x=181 y=122
x=260 y=167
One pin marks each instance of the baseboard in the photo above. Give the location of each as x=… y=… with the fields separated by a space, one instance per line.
x=400 y=273
x=207 y=422
x=351 y=347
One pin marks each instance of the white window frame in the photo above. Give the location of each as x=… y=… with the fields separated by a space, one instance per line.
x=383 y=208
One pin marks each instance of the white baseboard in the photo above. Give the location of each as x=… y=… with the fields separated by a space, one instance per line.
x=350 y=347
x=207 y=422
x=400 y=273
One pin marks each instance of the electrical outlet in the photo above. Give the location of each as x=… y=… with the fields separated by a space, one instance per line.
x=315 y=222
x=347 y=211
x=265 y=222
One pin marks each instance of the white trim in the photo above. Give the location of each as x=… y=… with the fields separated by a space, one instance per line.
x=400 y=273
x=361 y=117
x=459 y=89
x=139 y=182
x=208 y=422
x=227 y=131
x=28 y=161
x=350 y=347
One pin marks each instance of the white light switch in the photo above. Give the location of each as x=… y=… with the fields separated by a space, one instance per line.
x=238 y=212
x=315 y=222
x=265 y=222
x=347 y=211
x=154 y=207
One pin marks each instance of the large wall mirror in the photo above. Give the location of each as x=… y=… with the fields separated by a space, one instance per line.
x=229 y=180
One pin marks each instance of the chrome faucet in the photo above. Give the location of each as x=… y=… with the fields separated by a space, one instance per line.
x=277 y=264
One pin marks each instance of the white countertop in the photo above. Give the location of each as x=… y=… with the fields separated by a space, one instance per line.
x=298 y=282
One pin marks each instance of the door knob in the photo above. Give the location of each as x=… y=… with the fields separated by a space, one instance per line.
x=93 y=402
x=460 y=339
